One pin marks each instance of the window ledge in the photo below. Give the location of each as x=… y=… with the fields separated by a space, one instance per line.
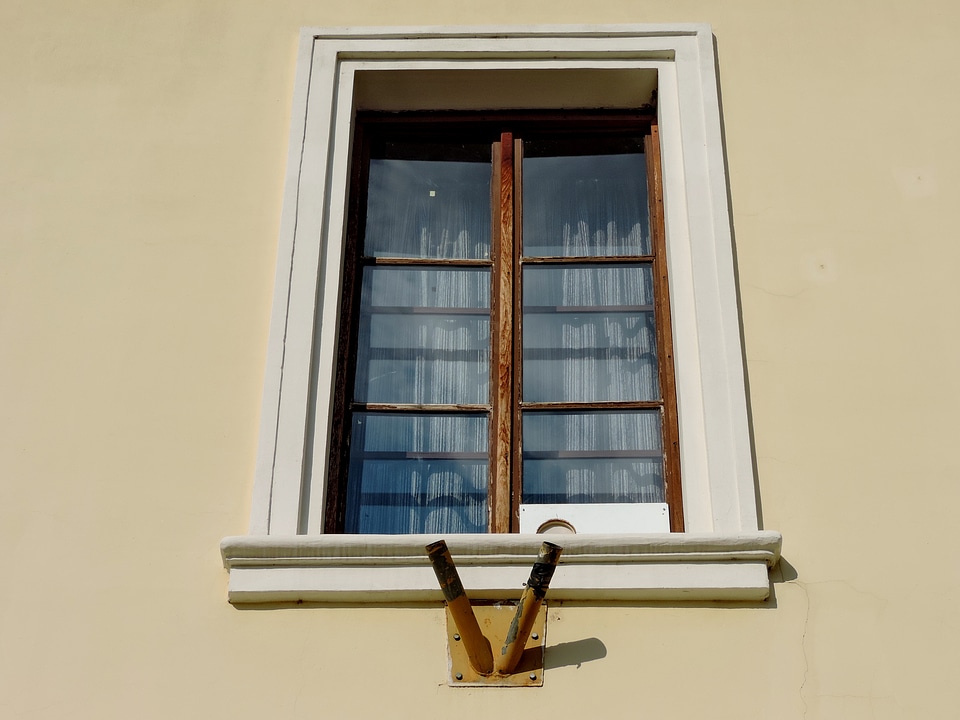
x=394 y=568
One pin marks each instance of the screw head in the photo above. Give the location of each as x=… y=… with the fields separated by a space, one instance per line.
x=459 y=676
x=535 y=636
x=533 y=676
x=456 y=637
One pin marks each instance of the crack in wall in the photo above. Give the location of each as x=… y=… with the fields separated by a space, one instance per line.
x=803 y=643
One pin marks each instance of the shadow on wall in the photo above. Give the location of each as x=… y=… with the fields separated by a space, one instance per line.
x=573 y=653
x=783 y=572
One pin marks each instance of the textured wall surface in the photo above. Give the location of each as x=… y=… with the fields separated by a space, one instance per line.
x=142 y=151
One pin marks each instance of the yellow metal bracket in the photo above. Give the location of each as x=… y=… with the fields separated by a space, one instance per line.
x=495 y=621
x=520 y=632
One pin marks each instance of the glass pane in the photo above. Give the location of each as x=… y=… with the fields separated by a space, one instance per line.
x=585 y=199
x=417 y=473
x=424 y=336
x=589 y=334
x=592 y=457
x=429 y=208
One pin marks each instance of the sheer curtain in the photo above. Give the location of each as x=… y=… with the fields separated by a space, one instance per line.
x=589 y=336
x=592 y=457
x=423 y=339
x=589 y=332
x=585 y=205
x=424 y=336
x=418 y=473
x=427 y=209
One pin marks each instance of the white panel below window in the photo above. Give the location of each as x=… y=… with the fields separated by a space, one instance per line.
x=596 y=517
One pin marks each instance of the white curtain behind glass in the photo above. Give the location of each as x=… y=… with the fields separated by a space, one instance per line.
x=589 y=332
x=424 y=339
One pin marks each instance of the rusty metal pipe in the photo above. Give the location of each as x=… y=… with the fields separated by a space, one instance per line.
x=475 y=643
x=530 y=601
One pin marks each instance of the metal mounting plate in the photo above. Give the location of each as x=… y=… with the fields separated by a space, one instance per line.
x=494 y=623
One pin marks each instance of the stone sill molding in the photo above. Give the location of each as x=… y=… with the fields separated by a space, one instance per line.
x=363 y=569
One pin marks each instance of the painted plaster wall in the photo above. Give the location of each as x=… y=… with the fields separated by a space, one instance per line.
x=142 y=151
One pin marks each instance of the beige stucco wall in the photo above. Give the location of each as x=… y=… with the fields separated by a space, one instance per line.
x=142 y=151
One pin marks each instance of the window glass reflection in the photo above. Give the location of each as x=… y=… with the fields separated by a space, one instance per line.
x=429 y=208
x=592 y=457
x=417 y=473
x=589 y=334
x=424 y=336
x=582 y=205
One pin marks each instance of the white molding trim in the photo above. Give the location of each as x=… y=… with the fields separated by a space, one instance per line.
x=394 y=568
x=718 y=477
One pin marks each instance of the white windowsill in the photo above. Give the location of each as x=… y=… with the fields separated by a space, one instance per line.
x=394 y=568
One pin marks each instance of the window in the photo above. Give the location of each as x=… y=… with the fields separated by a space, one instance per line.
x=721 y=553
x=505 y=357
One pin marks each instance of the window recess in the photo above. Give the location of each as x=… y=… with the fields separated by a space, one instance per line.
x=505 y=337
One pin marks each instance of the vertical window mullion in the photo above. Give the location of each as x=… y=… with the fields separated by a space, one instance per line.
x=516 y=469
x=502 y=321
x=668 y=387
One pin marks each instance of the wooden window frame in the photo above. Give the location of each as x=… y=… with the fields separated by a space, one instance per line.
x=506 y=405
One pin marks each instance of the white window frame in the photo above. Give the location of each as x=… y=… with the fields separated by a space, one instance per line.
x=721 y=556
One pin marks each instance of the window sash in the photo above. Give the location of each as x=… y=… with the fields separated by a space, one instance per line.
x=507 y=407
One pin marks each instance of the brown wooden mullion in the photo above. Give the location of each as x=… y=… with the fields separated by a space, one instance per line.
x=546 y=405
x=426 y=262
x=502 y=316
x=580 y=309
x=422 y=310
x=668 y=392
x=591 y=454
x=587 y=259
x=438 y=409
x=516 y=469
x=432 y=123
x=413 y=455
